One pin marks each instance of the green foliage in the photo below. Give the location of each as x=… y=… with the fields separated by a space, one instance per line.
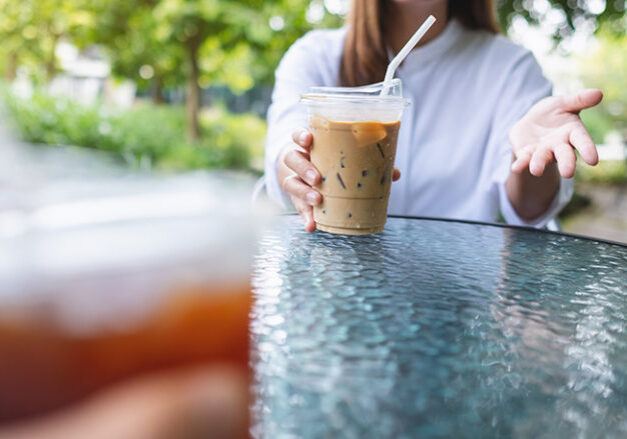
x=605 y=68
x=146 y=133
x=566 y=14
x=598 y=123
x=196 y=43
x=127 y=31
x=227 y=141
x=154 y=32
x=293 y=14
x=606 y=172
x=31 y=29
x=237 y=43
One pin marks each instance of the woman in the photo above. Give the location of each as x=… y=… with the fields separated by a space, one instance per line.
x=482 y=135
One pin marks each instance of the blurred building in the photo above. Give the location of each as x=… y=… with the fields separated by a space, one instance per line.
x=86 y=77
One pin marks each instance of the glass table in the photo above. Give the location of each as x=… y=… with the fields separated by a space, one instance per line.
x=439 y=329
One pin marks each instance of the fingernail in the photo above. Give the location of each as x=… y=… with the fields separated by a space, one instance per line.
x=536 y=171
x=303 y=137
x=311 y=177
x=312 y=197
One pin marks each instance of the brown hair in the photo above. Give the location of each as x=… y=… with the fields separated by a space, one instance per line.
x=365 y=59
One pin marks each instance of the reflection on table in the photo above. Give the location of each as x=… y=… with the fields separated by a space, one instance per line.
x=439 y=329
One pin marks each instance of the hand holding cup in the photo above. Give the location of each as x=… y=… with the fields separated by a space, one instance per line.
x=298 y=177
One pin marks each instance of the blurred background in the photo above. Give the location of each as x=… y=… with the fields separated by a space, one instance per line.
x=176 y=85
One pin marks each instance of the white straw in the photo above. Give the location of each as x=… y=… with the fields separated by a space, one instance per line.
x=398 y=59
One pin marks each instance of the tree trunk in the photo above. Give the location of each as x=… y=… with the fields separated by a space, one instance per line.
x=193 y=92
x=157 y=90
x=11 y=67
x=51 y=62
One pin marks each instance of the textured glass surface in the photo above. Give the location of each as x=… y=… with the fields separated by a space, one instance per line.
x=439 y=329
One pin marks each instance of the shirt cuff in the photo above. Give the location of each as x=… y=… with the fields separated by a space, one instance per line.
x=563 y=196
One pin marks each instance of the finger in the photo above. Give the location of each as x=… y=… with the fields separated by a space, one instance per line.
x=574 y=103
x=523 y=157
x=581 y=140
x=521 y=163
x=295 y=187
x=297 y=162
x=303 y=138
x=540 y=158
x=566 y=158
x=306 y=213
x=396 y=174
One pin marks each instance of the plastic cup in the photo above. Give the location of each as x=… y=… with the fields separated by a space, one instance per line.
x=355 y=132
x=128 y=277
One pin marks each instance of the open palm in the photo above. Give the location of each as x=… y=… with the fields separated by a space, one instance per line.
x=551 y=131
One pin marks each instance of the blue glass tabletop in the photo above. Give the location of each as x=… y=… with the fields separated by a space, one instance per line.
x=439 y=329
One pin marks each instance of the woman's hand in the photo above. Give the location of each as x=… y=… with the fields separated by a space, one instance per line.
x=551 y=131
x=297 y=176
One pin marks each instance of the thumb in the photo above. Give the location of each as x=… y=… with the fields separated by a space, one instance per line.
x=574 y=103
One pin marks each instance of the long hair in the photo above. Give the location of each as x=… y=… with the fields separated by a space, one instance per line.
x=365 y=58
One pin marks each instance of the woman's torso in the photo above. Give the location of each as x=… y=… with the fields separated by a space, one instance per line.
x=453 y=151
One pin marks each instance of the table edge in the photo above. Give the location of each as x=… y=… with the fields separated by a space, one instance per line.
x=501 y=225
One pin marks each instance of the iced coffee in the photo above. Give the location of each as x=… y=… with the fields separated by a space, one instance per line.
x=355 y=132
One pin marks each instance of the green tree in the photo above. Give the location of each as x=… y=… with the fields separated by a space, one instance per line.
x=189 y=24
x=200 y=42
x=606 y=68
x=222 y=41
x=31 y=29
x=18 y=34
x=55 y=20
x=567 y=14
x=127 y=30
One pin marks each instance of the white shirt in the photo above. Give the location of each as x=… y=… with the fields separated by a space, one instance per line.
x=466 y=88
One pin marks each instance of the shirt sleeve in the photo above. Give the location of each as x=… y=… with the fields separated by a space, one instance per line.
x=524 y=86
x=297 y=72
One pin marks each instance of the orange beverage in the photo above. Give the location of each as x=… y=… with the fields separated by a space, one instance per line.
x=45 y=367
x=86 y=303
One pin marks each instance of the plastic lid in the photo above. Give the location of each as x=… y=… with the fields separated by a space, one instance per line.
x=368 y=94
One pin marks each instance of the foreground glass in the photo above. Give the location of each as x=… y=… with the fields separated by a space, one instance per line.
x=129 y=277
x=355 y=131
